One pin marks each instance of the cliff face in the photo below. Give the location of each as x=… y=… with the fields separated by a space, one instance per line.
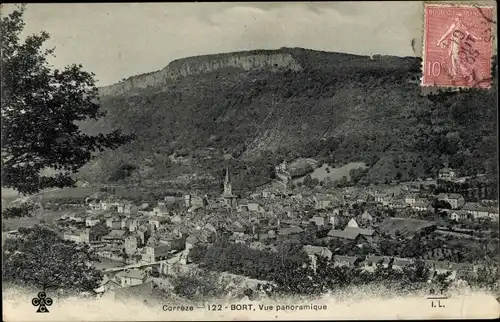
x=245 y=61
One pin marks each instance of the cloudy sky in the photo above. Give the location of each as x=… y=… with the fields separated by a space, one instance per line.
x=124 y=39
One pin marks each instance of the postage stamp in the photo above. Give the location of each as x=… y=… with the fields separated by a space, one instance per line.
x=458 y=46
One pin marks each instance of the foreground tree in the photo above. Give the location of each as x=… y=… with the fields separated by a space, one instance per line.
x=40 y=258
x=40 y=107
x=198 y=285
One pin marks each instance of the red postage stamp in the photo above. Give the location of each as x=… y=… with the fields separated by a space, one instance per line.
x=457 y=45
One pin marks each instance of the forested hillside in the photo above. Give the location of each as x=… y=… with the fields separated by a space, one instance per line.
x=337 y=108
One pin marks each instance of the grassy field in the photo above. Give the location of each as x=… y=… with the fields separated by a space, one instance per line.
x=82 y=192
x=16 y=223
x=322 y=173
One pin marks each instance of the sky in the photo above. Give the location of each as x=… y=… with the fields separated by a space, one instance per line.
x=118 y=40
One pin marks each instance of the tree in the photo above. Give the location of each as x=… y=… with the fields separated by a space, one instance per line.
x=40 y=258
x=15 y=212
x=40 y=110
x=99 y=230
x=199 y=285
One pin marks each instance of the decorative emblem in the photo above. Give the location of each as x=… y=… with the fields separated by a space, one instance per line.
x=42 y=301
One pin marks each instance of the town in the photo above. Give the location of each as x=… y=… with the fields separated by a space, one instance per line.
x=141 y=243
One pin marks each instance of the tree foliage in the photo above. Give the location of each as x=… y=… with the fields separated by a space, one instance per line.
x=17 y=212
x=40 y=258
x=199 y=285
x=40 y=110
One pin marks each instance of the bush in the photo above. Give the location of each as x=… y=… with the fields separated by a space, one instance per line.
x=18 y=212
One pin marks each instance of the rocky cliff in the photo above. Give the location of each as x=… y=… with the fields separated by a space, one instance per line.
x=240 y=61
x=290 y=103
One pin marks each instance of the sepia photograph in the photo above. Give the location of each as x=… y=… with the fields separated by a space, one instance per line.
x=249 y=161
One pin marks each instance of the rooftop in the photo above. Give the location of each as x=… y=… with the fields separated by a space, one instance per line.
x=133 y=273
x=317 y=250
x=290 y=230
x=350 y=234
x=362 y=231
x=350 y=259
x=391 y=225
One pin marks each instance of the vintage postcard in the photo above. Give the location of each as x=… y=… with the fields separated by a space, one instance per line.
x=249 y=161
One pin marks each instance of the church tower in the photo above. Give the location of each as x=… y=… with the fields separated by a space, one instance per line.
x=227 y=195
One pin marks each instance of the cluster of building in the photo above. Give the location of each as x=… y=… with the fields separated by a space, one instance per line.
x=140 y=237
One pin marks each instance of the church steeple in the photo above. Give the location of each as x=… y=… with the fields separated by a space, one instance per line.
x=228 y=190
x=227 y=176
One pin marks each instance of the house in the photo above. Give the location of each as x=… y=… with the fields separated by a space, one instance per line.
x=241 y=238
x=422 y=205
x=493 y=213
x=92 y=221
x=369 y=234
x=114 y=223
x=447 y=174
x=455 y=200
x=322 y=201
x=334 y=220
x=479 y=211
x=267 y=194
x=317 y=251
x=79 y=236
x=94 y=205
x=360 y=199
x=160 y=210
x=155 y=253
x=120 y=208
x=170 y=199
x=106 y=285
x=366 y=216
x=156 y=221
x=108 y=205
x=382 y=198
x=176 y=219
x=131 y=277
x=440 y=267
x=400 y=263
x=397 y=203
x=257 y=245
x=79 y=218
x=173 y=242
x=289 y=232
x=254 y=207
x=320 y=221
x=348 y=261
x=191 y=241
x=410 y=199
x=132 y=224
x=347 y=236
x=187 y=201
x=115 y=236
x=371 y=261
x=458 y=215
x=237 y=226
x=129 y=208
x=352 y=223
x=131 y=244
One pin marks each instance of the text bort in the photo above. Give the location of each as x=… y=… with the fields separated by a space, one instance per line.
x=241 y=307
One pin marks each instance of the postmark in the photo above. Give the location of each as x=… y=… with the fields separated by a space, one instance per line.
x=458 y=46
